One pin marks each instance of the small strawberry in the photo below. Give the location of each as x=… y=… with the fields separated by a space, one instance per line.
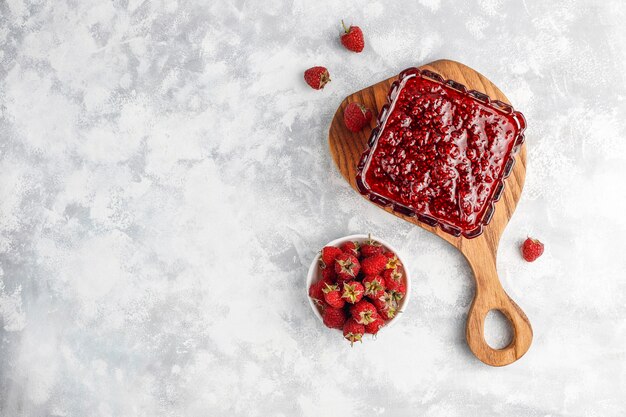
x=317 y=77
x=400 y=292
x=347 y=267
x=393 y=278
x=329 y=274
x=328 y=255
x=332 y=296
x=352 y=292
x=374 y=286
x=316 y=293
x=356 y=116
x=374 y=265
x=371 y=247
x=386 y=305
x=532 y=249
x=351 y=247
x=363 y=312
x=375 y=325
x=353 y=331
x=334 y=318
x=392 y=260
x=352 y=39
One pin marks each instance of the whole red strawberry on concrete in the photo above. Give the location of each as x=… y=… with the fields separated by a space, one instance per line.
x=356 y=116
x=352 y=38
x=347 y=267
x=332 y=296
x=334 y=318
x=353 y=331
x=317 y=77
x=532 y=249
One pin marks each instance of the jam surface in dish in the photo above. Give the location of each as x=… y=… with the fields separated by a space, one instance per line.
x=442 y=154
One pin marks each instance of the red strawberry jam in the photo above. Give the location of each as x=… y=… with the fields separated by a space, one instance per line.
x=441 y=153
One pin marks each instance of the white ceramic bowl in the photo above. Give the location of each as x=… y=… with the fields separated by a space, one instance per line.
x=315 y=274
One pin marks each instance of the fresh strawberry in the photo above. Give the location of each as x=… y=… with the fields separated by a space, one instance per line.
x=317 y=77
x=363 y=312
x=328 y=255
x=400 y=292
x=374 y=265
x=351 y=247
x=392 y=260
x=353 y=331
x=316 y=293
x=375 y=325
x=329 y=274
x=347 y=267
x=332 y=296
x=532 y=249
x=392 y=278
x=334 y=318
x=356 y=116
x=371 y=247
x=374 y=286
x=386 y=305
x=352 y=38
x=352 y=292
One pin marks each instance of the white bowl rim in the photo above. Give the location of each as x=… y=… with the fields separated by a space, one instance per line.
x=358 y=237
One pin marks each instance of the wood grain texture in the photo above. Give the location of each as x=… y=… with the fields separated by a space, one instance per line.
x=346 y=149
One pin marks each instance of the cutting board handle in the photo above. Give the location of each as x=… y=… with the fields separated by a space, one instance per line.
x=491 y=296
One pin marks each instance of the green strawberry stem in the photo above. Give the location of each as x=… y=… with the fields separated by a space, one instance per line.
x=344 y=27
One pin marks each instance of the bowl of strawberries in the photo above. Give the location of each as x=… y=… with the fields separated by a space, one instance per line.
x=357 y=284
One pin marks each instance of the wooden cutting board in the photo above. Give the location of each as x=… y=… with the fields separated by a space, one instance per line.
x=346 y=149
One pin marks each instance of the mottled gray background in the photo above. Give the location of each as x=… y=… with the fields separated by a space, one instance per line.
x=165 y=182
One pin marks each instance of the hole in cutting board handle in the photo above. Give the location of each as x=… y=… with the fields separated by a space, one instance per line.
x=498 y=330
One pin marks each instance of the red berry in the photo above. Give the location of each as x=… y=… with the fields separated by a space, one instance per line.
x=392 y=260
x=334 y=318
x=352 y=292
x=400 y=292
x=393 y=278
x=356 y=116
x=347 y=267
x=532 y=249
x=328 y=255
x=317 y=77
x=353 y=331
x=351 y=247
x=374 y=286
x=374 y=265
x=315 y=292
x=386 y=305
x=352 y=38
x=371 y=247
x=332 y=296
x=363 y=312
x=329 y=274
x=375 y=325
